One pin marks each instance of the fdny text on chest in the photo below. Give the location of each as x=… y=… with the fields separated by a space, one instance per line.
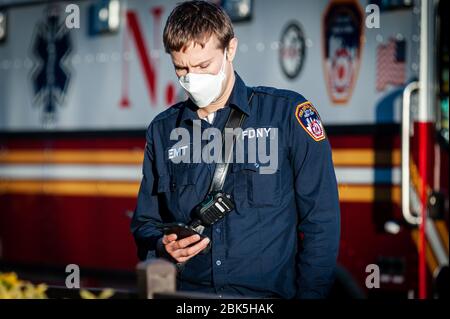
x=259 y=146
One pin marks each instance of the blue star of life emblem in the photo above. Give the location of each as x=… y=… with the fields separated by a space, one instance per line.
x=50 y=76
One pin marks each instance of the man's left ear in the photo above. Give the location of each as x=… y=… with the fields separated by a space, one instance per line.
x=231 y=50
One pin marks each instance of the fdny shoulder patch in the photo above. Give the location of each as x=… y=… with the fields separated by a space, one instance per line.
x=309 y=119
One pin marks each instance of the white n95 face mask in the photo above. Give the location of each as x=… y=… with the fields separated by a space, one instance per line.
x=204 y=88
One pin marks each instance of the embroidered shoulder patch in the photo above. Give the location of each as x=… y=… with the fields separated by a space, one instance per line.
x=309 y=119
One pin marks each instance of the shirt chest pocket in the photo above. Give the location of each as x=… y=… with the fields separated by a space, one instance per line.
x=254 y=187
x=179 y=191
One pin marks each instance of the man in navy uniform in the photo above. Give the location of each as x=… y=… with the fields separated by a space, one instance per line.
x=281 y=239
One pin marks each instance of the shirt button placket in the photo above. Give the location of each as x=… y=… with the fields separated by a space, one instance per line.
x=218 y=257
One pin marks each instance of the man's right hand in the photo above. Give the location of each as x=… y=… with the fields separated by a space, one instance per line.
x=179 y=250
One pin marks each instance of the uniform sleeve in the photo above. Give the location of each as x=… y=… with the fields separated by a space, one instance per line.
x=316 y=196
x=146 y=235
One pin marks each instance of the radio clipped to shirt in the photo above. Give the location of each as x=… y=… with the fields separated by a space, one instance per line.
x=215 y=207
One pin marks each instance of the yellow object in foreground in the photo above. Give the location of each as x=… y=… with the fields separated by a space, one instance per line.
x=13 y=288
x=105 y=294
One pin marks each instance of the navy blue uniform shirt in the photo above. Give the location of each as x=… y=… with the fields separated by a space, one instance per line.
x=282 y=238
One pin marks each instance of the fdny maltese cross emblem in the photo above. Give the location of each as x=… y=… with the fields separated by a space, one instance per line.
x=309 y=119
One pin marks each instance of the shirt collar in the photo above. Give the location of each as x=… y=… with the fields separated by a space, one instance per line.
x=238 y=98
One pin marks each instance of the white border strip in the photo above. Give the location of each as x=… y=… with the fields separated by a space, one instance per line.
x=347 y=175
x=368 y=175
x=71 y=172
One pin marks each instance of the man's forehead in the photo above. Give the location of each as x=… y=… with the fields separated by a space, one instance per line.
x=209 y=42
x=194 y=52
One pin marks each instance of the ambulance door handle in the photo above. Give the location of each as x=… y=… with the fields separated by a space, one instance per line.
x=406 y=127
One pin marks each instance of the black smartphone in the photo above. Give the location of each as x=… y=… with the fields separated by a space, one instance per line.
x=181 y=230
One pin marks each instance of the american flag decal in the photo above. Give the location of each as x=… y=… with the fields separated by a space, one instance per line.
x=391 y=67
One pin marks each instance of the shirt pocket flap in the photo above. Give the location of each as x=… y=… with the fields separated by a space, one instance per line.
x=163 y=184
x=184 y=174
x=245 y=166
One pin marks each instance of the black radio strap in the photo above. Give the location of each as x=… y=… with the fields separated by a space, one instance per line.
x=235 y=120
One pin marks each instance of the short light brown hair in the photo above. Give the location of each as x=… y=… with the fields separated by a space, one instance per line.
x=196 y=21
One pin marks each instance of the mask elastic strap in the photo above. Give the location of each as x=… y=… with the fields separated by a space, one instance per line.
x=224 y=60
